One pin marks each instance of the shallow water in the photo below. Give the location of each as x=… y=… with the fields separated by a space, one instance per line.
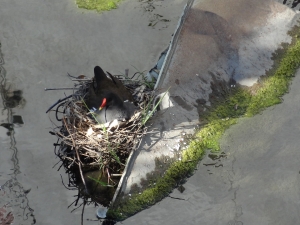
x=41 y=43
x=13 y=201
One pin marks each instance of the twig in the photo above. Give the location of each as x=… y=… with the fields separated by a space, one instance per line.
x=60 y=100
x=76 y=204
x=78 y=158
x=116 y=175
x=62 y=181
x=63 y=88
x=78 y=79
x=84 y=202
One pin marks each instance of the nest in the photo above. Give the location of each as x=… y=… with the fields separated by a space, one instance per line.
x=84 y=145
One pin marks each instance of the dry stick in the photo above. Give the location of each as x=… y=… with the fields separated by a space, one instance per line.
x=60 y=135
x=84 y=203
x=76 y=150
x=66 y=157
x=72 y=163
x=59 y=101
x=93 y=141
x=56 y=89
x=89 y=150
x=116 y=175
x=128 y=132
x=76 y=201
x=84 y=154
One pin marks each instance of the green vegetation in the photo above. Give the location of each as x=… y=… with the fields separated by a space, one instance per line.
x=142 y=76
x=98 y=5
x=148 y=112
x=114 y=155
x=240 y=102
x=98 y=181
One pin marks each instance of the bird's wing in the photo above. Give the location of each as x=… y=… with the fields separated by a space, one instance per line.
x=112 y=78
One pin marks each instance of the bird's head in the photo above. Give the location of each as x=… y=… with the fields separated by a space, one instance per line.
x=103 y=104
x=111 y=100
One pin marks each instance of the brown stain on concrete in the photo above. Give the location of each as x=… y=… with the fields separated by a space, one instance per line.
x=204 y=38
x=212 y=31
x=181 y=102
x=243 y=14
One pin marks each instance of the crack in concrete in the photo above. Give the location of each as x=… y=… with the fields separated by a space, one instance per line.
x=231 y=174
x=14 y=195
x=238 y=209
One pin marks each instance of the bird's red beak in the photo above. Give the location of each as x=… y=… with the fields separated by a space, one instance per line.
x=103 y=104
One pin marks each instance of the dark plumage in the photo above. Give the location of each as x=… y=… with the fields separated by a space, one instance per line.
x=112 y=107
x=103 y=85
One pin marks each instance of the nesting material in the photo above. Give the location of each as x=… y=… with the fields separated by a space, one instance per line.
x=85 y=145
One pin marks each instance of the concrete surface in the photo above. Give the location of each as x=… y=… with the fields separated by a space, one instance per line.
x=44 y=40
x=256 y=183
x=41 y=42
x=219 y=44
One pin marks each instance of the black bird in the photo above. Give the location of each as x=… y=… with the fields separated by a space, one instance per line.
x=102 y=84
x=112 y=107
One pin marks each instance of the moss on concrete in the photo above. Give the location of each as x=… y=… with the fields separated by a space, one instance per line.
x=98 y=5
x=241 y=102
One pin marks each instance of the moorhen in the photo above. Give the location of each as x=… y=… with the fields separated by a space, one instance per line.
x=112 y=107
x=102 y=85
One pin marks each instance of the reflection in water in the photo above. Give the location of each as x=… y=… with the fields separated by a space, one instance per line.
x=8 y=126
x=17 y=120
x=14 y=207
x=12 y=99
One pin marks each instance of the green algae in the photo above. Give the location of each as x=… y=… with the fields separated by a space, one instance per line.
x=98 y=5
x=242 y=102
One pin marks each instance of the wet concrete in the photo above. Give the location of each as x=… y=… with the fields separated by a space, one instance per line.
x=219 y=45
x=41 y=42
x=255 y=178
x=258 y=182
